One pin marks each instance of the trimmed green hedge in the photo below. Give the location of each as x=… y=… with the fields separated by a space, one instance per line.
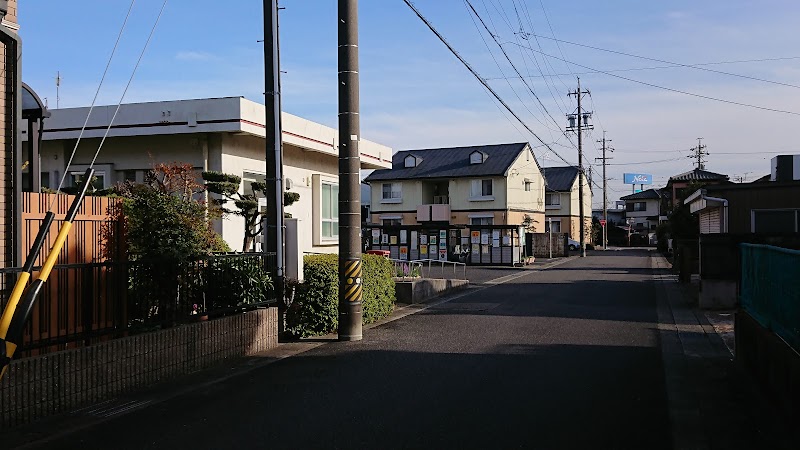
x=315 y=309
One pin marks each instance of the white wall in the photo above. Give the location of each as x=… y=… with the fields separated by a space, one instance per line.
x=525 y=167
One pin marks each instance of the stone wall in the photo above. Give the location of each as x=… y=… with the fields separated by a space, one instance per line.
x=60 y=382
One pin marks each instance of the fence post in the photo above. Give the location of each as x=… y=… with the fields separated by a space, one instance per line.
x=87 y=300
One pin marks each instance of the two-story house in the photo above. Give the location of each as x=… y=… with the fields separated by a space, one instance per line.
x=480 y=185
x=562 y=202
x=643 y=210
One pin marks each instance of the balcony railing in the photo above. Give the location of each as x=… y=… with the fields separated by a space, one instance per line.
x=433 y=213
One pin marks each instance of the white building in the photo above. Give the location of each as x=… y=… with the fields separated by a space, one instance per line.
x=219 y=134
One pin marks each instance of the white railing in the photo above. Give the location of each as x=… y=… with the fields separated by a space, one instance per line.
x=431 y=262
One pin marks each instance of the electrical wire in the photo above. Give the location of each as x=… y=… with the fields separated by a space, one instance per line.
x=678 y=91
x=478 y=77
x=130 y=80
x=689 y=66
x=94 y=101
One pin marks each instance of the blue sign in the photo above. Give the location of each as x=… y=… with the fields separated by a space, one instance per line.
x=638 y=178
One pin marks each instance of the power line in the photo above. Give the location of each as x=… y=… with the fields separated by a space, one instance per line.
x=690 y=66
x=478 y=77
x=494 y=38
x=678 y=91
x=672 y=66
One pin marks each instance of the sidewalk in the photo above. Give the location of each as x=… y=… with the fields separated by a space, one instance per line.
x=712 y=403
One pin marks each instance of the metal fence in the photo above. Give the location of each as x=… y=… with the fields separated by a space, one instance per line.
x=86 y=303
x=770 y=290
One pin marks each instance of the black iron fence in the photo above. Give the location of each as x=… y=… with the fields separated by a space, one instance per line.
x=86 y=303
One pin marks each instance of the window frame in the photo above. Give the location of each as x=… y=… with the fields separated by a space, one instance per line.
x=478 y=191
x=395 y=192
x=333 y=211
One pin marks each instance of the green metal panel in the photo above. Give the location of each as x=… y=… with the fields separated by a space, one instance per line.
x=771 y=289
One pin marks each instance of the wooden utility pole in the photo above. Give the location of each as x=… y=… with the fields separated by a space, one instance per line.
x=605 y=194
x=582 y=117
x=350 y=268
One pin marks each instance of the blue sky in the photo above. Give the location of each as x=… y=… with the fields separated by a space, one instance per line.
x=415 y=94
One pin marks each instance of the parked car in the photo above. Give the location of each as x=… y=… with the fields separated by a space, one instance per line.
x=573 y=244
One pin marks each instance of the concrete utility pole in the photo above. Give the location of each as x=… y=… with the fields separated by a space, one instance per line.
x=582 y=117
x=699 y=154
x=605 y=185
x=274 y=241
x=350 y=270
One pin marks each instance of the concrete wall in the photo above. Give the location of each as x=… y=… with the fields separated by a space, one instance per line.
x=55 y=383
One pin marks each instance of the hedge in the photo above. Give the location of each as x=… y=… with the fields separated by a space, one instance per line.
x=315 y=309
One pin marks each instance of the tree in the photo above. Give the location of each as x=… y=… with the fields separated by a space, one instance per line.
x=166 y=218
x=245 y=205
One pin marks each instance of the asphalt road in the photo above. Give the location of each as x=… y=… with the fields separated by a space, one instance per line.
x=563 y=358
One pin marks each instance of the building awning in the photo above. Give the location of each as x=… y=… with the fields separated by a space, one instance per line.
x=32 y=106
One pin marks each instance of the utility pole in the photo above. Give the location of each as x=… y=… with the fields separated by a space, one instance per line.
x=582 y=117
x=699 y=154
x=350 y=269
x=274 y=241
x=605 y=195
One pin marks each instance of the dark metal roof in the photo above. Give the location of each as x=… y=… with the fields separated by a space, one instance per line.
x=32 y=106
x=650 y=194
x=559 y=179
x=698 y=175
x=452 y=162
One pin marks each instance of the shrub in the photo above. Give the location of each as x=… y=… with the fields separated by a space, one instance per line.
x=234 y=282
x=315 y=309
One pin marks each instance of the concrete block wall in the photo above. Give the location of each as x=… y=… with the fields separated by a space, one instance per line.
x=56 y=383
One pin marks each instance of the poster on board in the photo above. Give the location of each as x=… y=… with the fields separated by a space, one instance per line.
x=423 y=239
x=414 y=240
x=433 y=240
x=403 y=236
x=404 y=253
x=423 y=249
x=443 y=254
x=392 y=240
x=385 y=239
x=485 y=238
x=475 y=237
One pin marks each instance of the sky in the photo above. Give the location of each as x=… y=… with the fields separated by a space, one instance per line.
x=415 y=94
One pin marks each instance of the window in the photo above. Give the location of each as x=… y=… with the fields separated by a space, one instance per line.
x=481 y=221
x=411 y=161
x=129 y=175
x=556 y=226
x=528 y=185
x=329 y=219
x=392 y=191
x=481 y=188
x=476 y=158
x=636 y=207
x=98 y=183
x=248 y=178
x=552 y=200
x=45 y=178
x=391 y=222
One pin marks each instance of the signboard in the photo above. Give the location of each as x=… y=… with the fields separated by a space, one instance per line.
x=602 y=222
x=638 y=178
x=443 y=254
x=404 y=253
x=423 y=249
x=475 y=237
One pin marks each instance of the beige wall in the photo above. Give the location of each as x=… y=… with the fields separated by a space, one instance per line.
x=525 y=167
x=411 y=197
x=460 y=190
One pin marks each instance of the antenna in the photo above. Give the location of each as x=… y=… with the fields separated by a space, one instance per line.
x=58 y=89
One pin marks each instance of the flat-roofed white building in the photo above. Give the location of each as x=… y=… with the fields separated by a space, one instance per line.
x=219 y=134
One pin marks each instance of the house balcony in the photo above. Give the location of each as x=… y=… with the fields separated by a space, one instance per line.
x=437 y=212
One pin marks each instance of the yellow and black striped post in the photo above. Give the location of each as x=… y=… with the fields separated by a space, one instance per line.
x=22 y=300
x=350 y=281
